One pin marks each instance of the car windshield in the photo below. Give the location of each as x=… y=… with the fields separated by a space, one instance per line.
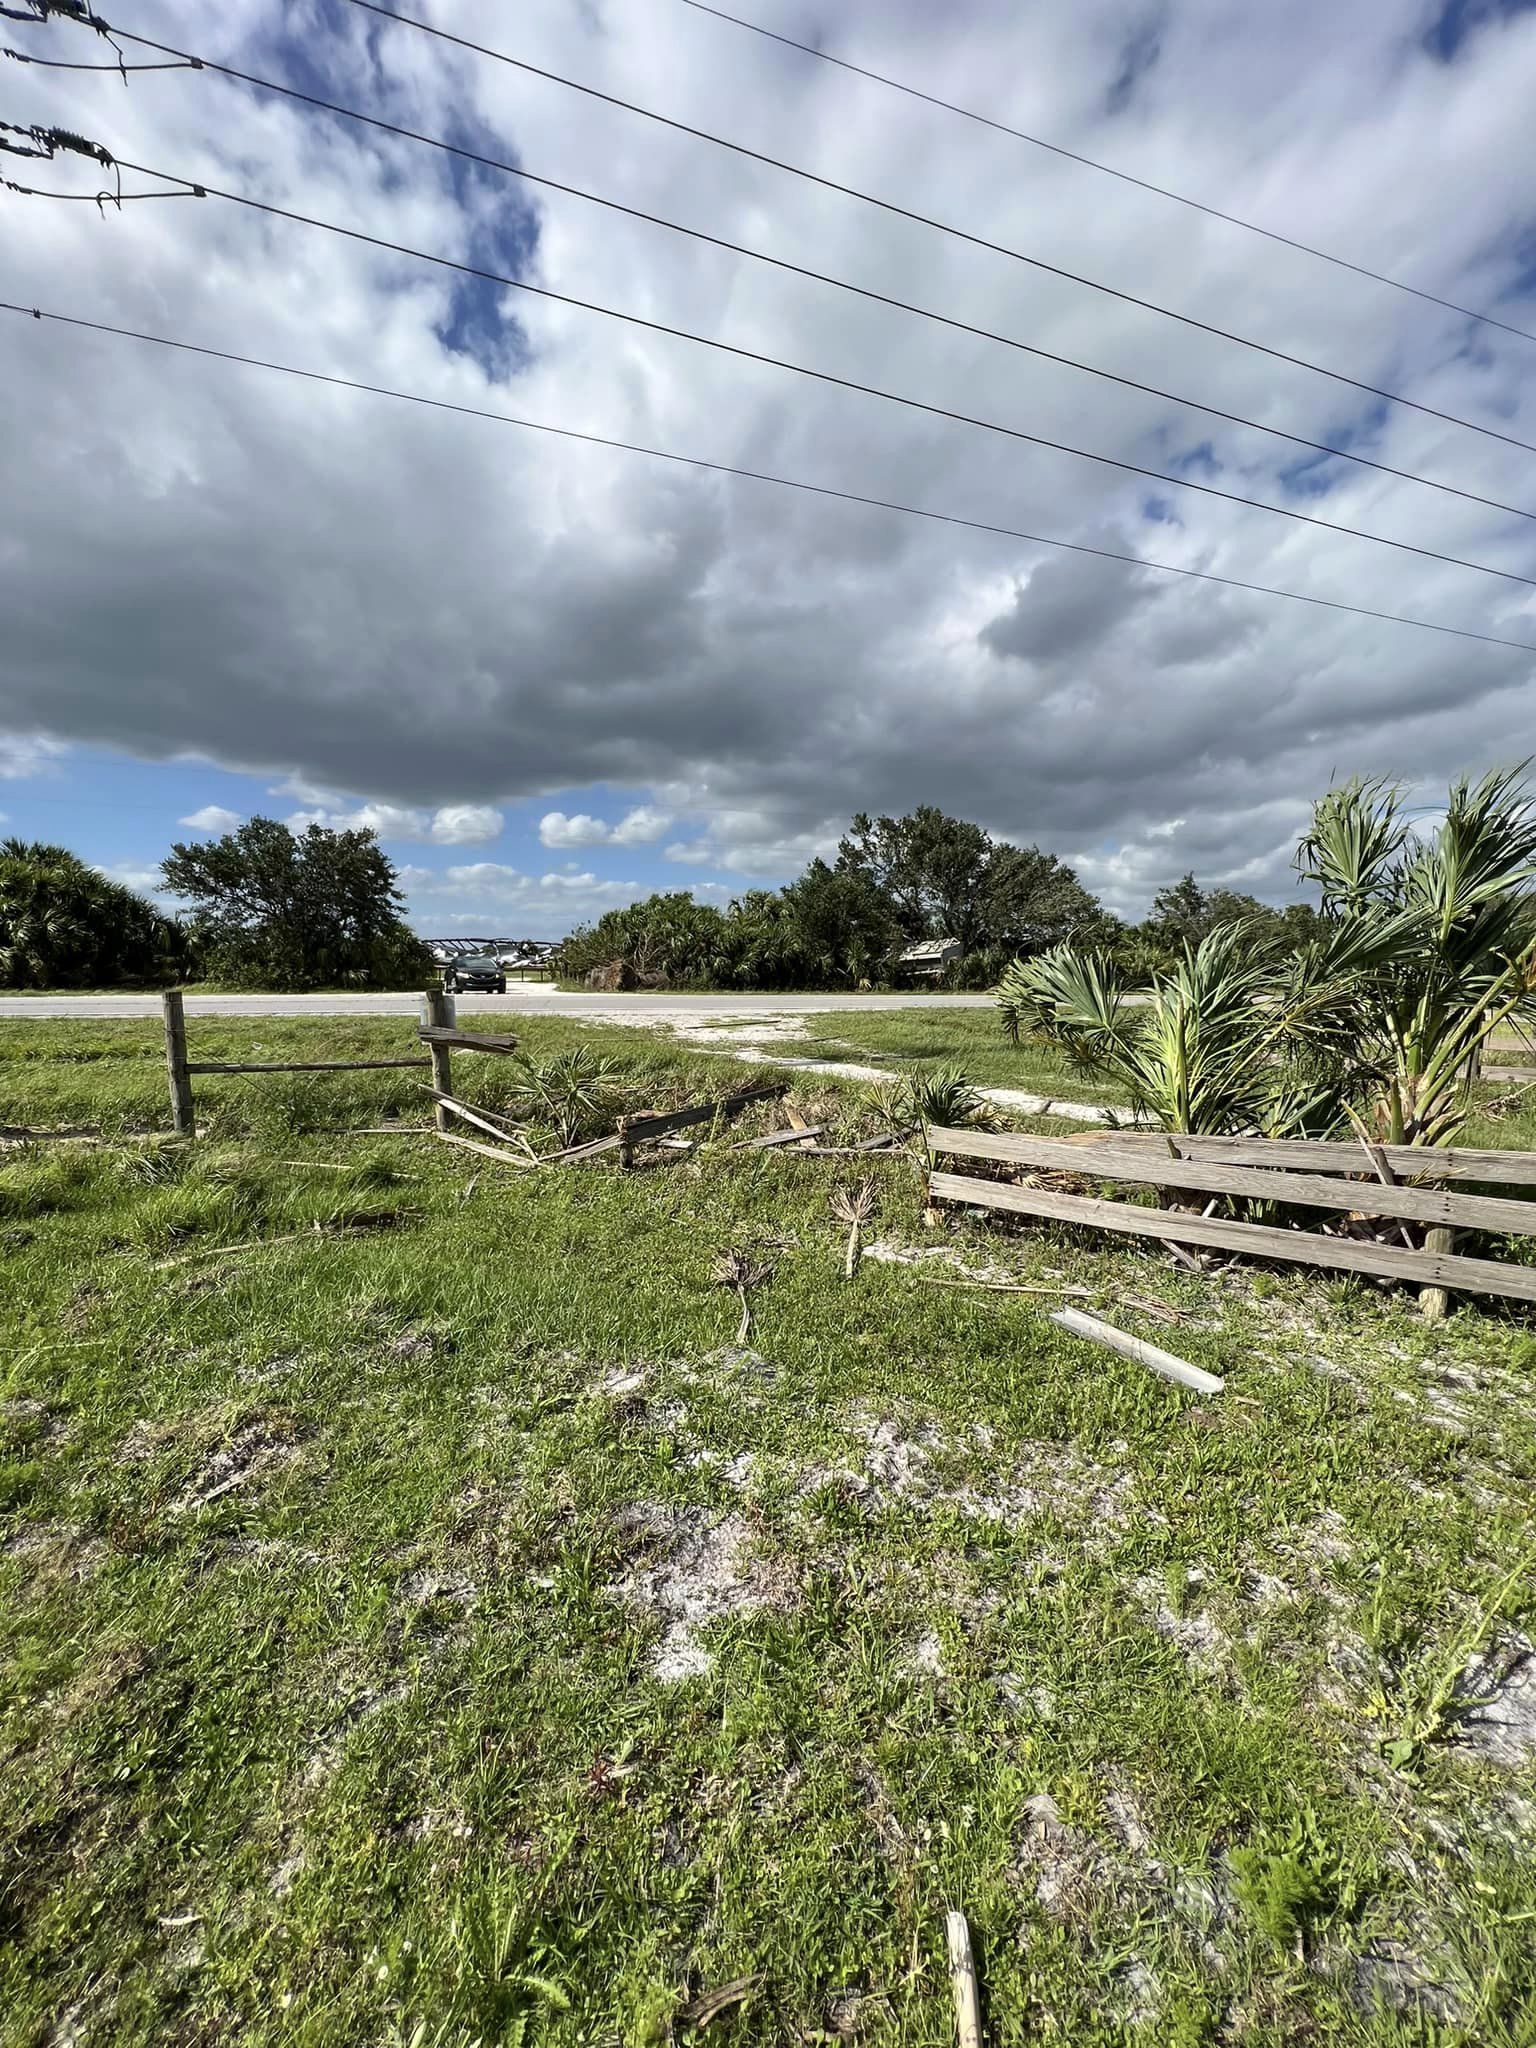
x=479 y=963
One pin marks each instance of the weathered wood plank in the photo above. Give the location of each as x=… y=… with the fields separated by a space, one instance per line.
x=589 y=1150
x=1509 y=1073
x=1214 y=1176
x=1137 y=1349
x=300 y=1066
x=637 y=1130
x=466 y=1041
x=502 y=1152
x=792 y=1136
x=1258 y=1240
x=494 y=1127
x=440 y=1014
x=1431 y=1162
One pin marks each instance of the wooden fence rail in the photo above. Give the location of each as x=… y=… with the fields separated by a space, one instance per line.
x=1338 y=1155
x=1141 y=1163
x=1419 y=1268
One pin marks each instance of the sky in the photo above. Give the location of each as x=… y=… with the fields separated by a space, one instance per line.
x=554 y=677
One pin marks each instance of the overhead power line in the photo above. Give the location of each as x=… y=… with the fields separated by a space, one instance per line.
x=1093 y=164
x=514 y=170
x=928 y=221
x=760 y=476
x=752 y=355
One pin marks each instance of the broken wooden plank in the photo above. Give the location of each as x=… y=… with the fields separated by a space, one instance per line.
x=299 y=1066
x=1258 y=1240
x=638 y=1130
x=1207 y=1176
x=502 y=1152
x=962 y=1978
x=794 y=1135
x=1509 y=1073
x=1137 y=1349
x=483 y=1120
x=466 y=1041
x=587 y=1150
x=802 y=1126
x=1329 y=1155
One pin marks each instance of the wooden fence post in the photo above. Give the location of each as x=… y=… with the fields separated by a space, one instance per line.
x=440 y=1015
x=183 y=1120
x=1434 y=1301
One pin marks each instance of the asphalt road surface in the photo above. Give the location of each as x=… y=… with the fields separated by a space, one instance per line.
x=534 y=998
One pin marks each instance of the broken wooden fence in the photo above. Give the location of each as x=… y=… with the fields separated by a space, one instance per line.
x=439 y=1035
x=1287 y=1173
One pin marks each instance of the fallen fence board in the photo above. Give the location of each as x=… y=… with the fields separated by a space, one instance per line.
x=589 y=1150
x=493 y=1126
x=1213 y=1176
x=792 y=1136
x=1258 y=1240
x=300 y=1066
x=1509 y=1074
x=466 y=1041
x=1137 y=1349
x=638 y=1130
x=1461 y=1162
x=502 y=1152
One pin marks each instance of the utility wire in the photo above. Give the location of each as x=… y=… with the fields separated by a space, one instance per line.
x=513 y=170
x=752 y=355
x=507 y=419
x=1092 y=163
x=927 y=221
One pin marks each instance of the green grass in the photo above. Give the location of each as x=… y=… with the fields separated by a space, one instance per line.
x=969 y=1038
x=338 y=1578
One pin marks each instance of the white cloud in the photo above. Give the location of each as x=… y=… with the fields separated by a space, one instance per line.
x=556 y=829
x=212 y=818
x=638 y=827
x=24 y=754
x=469 y=615
x=450 y=825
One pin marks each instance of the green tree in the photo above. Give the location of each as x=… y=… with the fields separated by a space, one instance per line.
x=1030 y=900
x=845 y=927
x=64 y=925
x=667 y=937
x=929 y=866
x=273 y=909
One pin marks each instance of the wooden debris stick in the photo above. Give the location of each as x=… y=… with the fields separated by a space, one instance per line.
x=257 y=1244
x=19 y=1134
x=1381 y=1167
x=502 y=1152
x=1305 y=1190
x=300 y=1066
x=1136 y=1349
x=1258 y=1240
x=494 y=1126
x=572 y=1153
x=807 y=1131
x=1012 y=1286
x=962 y=1979
x=466 y=1041
x=1327 y=1155
x=795 y=1135
x=638 y=1130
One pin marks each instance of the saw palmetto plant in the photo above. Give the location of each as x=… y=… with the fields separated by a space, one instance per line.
x=1459 y=913
x=854 y=1206
x=1427 y=946
x=573 y=1092
x=743 y=1274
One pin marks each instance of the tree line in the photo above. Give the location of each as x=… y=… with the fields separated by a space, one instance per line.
x=894 y=881
x=271 y=908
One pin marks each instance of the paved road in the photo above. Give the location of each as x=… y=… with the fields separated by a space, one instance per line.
x=534 y=998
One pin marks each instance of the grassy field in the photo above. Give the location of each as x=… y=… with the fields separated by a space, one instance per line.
x=435 y=1630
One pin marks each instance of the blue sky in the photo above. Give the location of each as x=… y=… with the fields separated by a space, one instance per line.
x=554 y=676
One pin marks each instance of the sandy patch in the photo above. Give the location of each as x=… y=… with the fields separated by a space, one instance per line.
x=702 y=1569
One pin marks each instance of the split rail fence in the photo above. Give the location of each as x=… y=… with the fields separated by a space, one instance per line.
x=1285 y=1173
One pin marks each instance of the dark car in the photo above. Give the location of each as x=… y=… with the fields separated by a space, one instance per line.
x=475 y=970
